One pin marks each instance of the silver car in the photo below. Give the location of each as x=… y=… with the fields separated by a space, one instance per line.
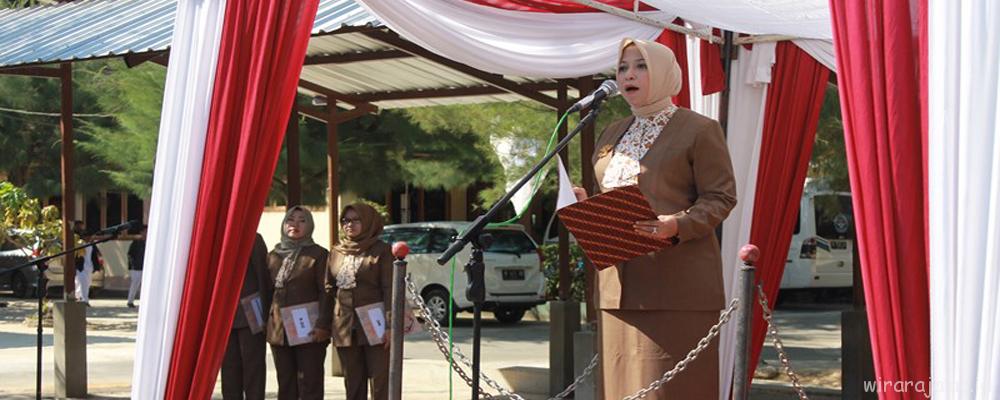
x=514 y=278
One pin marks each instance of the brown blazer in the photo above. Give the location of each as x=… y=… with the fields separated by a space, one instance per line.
x=256 y=280
x=305 y=284
x=687 y=173
x=374 y=284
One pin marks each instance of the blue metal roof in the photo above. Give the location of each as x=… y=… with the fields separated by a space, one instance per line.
x=100 y=28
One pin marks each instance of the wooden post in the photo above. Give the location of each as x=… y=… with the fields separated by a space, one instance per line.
x=68 y=194
x=587 y=174
x=124 y=206
x=102 y=206
x=565 y=276
x=332 y=164
x=293 y=191
x=728 y=50
x=421 y=207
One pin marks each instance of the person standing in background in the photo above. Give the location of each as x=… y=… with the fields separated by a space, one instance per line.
x=244 y=366
x=85 y=267
x=360 y=273
x=136 y=252
x=297 y=267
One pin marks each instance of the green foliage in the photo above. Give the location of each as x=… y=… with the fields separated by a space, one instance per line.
x=551 y=269
x=26 y=223
x=19 y=3
x=29 y=131
x=527 y=123
x=829 y=158
x=135 y=97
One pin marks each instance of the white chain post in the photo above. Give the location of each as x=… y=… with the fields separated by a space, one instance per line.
x=772 y=331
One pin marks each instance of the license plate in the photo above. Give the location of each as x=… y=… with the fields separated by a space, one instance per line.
x=513 y=274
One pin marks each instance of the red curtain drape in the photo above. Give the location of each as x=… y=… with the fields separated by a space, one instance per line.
x=878 y=52
x=678 y=43
x=261 y=51
x=713 y=77
x=790 y=118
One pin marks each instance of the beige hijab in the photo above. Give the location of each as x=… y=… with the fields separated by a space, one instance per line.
x=371 y=228
x=664 y=76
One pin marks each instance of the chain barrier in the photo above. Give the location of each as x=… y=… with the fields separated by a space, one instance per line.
x=772 y=330
x=680 y=366
x=440 y=338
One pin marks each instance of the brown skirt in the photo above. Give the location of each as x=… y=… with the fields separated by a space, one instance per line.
x=639 y=346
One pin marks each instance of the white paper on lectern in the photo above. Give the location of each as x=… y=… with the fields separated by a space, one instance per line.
x=566 y=196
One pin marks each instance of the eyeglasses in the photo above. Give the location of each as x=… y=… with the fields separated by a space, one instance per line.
x=347 y=221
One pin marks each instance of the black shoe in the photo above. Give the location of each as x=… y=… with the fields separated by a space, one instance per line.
x=130 y=305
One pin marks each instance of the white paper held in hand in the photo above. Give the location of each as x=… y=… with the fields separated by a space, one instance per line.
x=378 y=321
x=566 y=196
x=302 y=324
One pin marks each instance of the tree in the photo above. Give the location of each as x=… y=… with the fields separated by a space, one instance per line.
x=27 y=224
x=29 y=129
x=528 y=124
x=380 y=152
x=829 y=159
x=134 y=96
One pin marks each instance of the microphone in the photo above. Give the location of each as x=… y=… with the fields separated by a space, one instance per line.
x=114 y=230
x=608 y=88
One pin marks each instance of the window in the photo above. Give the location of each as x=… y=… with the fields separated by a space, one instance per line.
x=441 y=239
x=834 y=217
x=510 y=242
x=418 y=239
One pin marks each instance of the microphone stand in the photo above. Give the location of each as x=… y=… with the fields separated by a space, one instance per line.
x=40 y=291
x=475 y=268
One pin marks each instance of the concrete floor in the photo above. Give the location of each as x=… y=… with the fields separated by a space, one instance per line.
x=517 y=355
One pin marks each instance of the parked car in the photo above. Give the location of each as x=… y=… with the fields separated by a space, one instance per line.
x=22 y=282
x=514 y=279
x=821 y=254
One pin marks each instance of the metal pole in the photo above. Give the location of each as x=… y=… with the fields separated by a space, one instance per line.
x=40 y=291
x=741 y=382
x=476 y=293
x=399 y=250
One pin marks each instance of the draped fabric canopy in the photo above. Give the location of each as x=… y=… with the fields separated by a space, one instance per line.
x=513 y=43
x=882 y=65
x=879 y=94
x=964 y=180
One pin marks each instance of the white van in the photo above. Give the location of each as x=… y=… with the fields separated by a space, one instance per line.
x=514 y=278
x=821 y=253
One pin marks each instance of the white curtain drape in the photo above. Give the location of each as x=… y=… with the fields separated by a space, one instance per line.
x=704 y=105
x=751 y=74
x=179 y=151
x=821 y=50
x=964 y=198
x=539 y=45
x=800 y=18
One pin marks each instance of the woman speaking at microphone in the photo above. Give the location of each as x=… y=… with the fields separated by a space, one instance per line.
x=656 y=307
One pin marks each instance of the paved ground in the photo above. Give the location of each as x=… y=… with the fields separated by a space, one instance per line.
x=517 y=355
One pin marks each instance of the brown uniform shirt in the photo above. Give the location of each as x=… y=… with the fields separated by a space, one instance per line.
x=374 y=284
x=686 y=173
x=305 y=284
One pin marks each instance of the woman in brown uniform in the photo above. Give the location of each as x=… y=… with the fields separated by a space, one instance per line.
x=361 y=274
x=655 y=308
x=298 y=269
